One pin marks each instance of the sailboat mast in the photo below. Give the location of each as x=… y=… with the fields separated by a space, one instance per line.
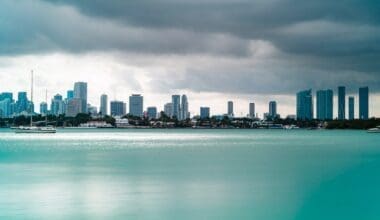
x=46 y=119
x=31 y=96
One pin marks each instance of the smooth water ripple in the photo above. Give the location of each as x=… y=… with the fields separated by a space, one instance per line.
x=190 y=174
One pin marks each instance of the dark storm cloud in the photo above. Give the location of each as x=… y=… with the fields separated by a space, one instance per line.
x=310 y=27
x=317 y=44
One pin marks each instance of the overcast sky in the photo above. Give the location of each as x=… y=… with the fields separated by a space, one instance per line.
x=212 y=50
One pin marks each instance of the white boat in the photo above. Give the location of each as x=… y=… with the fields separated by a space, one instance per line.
x=374 y=130
x=33 y=129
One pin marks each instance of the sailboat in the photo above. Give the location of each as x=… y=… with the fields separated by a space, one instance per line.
x=34 y=129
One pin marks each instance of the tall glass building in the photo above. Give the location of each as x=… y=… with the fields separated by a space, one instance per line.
x=230 y=108
x=152 y=112
x=70 y=94
x=80 y=92
x=136 y=105
x=351 y=108
x=305 y=105
x=22 y=102
x=341 y=102
x=252 y=111
x=272 y=109
x=176 y=105
x=205 y=112
x=184 y=108
x=363 y=103
x=168 y=109
x=43 y=108
x=104 y=104
x=325 y=104
x=57 y=105
x=118 y=108
x=6 y=95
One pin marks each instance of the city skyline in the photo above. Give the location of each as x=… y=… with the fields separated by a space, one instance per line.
x=322 y=105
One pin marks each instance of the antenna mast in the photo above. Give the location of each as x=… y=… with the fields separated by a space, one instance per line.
x=31 y=103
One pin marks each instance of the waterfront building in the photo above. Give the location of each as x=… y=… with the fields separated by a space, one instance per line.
x=43 y=108
x=168 y=109
x=5 y=108
x=325 y=104
x=136 y=105
x=118 y=108
x=176 y=104
x=103 y=105
x=22 y=102
x=74 y=107
x=6 y=95
x=80 y=92
x=364 y=103
x=252 y=110
x=70 y=94
x=93 y=110
x=30 y=108
x=351 y=108
x=184 y=108
x=230 y=108
x=305 y=105
x=272 y=109
x=341 y=102
x=57 y=106
x=204 y=112
x=152 y=112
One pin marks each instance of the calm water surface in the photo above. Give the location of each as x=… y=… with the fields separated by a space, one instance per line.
x=190 y=174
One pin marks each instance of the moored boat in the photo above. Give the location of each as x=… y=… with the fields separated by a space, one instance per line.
x=35 y=130
x=374 y=130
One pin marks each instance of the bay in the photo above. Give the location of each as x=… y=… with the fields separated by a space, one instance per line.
x=190 y=174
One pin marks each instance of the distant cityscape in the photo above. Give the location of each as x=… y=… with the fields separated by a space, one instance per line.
x=76 y=103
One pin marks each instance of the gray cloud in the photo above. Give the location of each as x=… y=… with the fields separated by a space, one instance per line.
x=315 y=44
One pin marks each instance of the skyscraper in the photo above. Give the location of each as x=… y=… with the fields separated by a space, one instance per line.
x=230 y=108
x=70 y=94
x=341 y=102
x=74 y=107
x=5 y=108
x=176 y=102
x=168 y=109
x=6 y=95
x=152 y=112
x=80 y=92
x=43 y=108
x=351 y=108
x=272 y=109
x=325 y=104
x=184 y=108
x=204 y=112
x=22 y=102
x=118 y=108
x=252 y=110
x=104 y=104
x=305 y=105
x=363 y=103
x=57 y=105
x=136 y=105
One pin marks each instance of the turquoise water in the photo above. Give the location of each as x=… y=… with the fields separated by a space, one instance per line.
x=190 y=174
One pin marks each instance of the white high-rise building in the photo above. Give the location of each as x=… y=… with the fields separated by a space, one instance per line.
x=168 y=109
x=103 y=104
x=184 y=108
